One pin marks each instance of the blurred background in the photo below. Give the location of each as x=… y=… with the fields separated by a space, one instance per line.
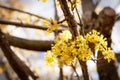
x=34 y=59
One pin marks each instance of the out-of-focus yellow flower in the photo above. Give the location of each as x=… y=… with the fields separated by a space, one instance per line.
x=50 y=58
x=57 y=3
x=108 y=54
x=44 y=1
x=66 y=35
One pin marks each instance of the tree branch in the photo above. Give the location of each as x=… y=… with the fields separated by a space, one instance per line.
x=15 y=9
x=17 y=64
x=24 y=25
x=69 y=18
x=73 y=28
x=29 y=44
x=89 y=16
x=118 y=57
x=87 y=5
x=104 y=24
x=56 y=12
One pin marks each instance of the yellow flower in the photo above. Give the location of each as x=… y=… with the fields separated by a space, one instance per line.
x=66 y=35
x=108 y=54
x=97 y=39
x=52 y=25
x=49 y=58
x=65 y=50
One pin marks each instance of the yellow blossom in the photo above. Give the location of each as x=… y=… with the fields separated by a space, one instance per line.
x=97 y=39
x=108 y=54
x=65 y=50
x=52 y=25
x=49 y=58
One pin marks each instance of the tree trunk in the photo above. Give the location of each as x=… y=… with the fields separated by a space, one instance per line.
x=21 y=69
x=107 y=71
x=104 y=24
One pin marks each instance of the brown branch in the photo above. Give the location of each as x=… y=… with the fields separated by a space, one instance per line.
x=118 y=57
x=17 y=64
x=87 y=5
x=73 y=28
x=97 y=2
x=61 y=76
x=89 y=15
x=15 y=9
x=104 y=24
x=74 y=68
x=56 y=12
x=18 y=24
x=84 y=70
x=24 y=25
x=29 y=44
x=69 y=18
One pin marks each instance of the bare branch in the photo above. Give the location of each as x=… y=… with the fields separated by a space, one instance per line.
x=87 y=5
x=56 y=12
x=73 y=28
x=15 y=9
x=21 y=69
x=18 y=24
x=69 y=18
x=29 y=44
x=24 y=25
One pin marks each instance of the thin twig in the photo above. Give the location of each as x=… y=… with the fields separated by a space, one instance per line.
x=81 y=24
x=75 y=71
x=84 y=69
x=24 y=25
x=15 y=9
x=61 y=21
x=56 y=12
x=61 y=74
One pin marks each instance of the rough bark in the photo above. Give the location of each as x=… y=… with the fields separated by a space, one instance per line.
x=21 y=69
x=104 y=24
x=107 y=71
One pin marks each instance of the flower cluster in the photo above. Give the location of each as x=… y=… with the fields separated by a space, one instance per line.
x=52 y=24
x=66 y=50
